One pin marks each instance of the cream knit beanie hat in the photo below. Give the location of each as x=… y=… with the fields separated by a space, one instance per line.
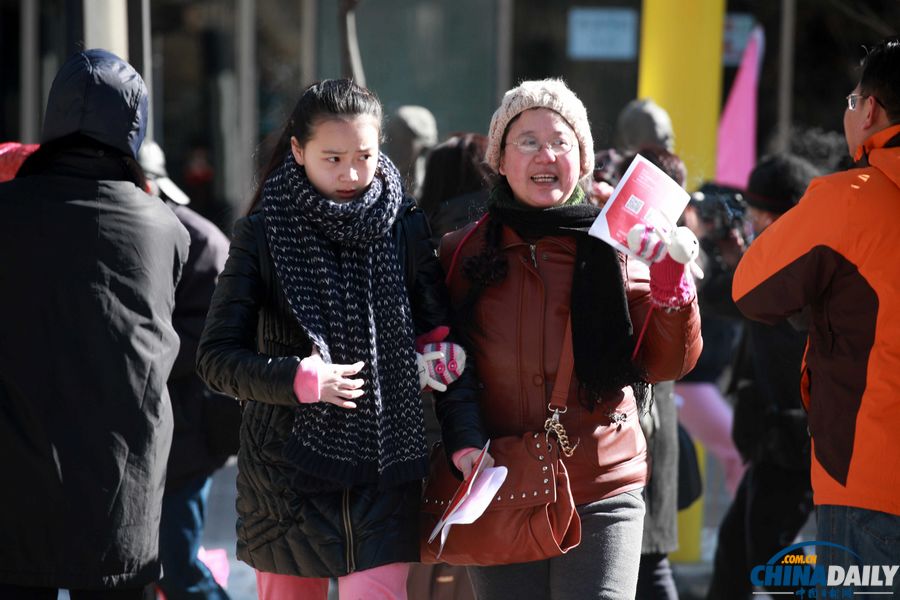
x=546 y=93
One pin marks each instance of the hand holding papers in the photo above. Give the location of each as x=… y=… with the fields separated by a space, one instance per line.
x=646 y=204
x=471 y=498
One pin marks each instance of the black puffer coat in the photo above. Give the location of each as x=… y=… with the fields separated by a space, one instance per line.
x=250 y=349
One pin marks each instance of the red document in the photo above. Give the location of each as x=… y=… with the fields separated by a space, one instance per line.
x=644 y=195
x=462 y=492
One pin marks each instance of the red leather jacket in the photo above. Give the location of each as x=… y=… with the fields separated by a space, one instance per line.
x=516 y=349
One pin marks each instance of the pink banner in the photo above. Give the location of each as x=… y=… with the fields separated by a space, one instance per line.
x=736 y=148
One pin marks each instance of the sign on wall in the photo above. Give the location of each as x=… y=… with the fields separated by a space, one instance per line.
x=735 y=36
x=602 y=33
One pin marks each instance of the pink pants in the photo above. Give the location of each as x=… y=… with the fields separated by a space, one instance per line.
x=708 y=418
x=387 y=582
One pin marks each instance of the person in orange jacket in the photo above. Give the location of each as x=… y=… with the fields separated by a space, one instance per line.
x=835 y=256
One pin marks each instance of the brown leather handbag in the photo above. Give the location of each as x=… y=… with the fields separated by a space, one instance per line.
x=533 y=516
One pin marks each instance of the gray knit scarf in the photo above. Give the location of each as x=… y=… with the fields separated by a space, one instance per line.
x=338 y=267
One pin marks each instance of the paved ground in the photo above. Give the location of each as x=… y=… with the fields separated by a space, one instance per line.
x=219 y=532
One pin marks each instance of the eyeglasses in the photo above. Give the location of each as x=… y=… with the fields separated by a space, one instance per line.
x=529 y=145
x=853 y=100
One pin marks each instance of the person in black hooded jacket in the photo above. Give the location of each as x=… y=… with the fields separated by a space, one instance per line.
x=86 y=345
x=312 y=325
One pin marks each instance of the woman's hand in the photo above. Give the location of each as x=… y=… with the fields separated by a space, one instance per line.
x=601 y=192
x=464 y=460
x=317 y=381
x=335 y=387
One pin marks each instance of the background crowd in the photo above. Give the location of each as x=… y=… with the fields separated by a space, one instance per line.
x=319 y=313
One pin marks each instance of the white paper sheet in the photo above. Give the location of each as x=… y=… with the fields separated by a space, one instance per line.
x=484 y=488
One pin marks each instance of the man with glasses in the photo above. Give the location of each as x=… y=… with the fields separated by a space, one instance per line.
x=836 y=255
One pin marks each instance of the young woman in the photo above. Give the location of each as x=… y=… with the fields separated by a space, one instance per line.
x=516 y=278
x=313 y=325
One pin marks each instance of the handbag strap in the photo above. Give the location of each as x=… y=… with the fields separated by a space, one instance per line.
x=561 y=393
x=563 y=372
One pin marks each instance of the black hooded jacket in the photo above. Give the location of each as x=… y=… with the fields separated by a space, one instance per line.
x=88 y=274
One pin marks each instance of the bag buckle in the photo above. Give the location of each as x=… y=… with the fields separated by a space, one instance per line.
x=553 y=425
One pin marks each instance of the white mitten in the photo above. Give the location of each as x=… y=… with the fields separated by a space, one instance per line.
x=685 y=248
x=653 y=246
x=440 y=364
x=683 y=245
x=647 y=242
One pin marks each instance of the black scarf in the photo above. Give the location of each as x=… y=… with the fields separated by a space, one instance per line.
x=338 y=267
x=603 y=335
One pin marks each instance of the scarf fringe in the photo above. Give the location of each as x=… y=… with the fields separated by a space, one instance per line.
x=316 y=474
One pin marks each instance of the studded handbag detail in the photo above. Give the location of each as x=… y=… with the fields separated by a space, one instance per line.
x=532 y=516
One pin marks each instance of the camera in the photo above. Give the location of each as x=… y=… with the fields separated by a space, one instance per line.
x=722 y=208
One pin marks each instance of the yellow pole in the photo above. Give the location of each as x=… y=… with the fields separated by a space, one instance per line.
x=690 y=522
x=681 y=70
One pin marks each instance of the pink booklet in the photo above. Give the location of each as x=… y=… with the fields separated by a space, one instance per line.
x=644 y=195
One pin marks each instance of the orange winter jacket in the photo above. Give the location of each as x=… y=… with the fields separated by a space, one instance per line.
x=838 y=252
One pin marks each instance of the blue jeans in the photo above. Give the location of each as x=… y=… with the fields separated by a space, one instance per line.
x=873 y=535
x=183 y=514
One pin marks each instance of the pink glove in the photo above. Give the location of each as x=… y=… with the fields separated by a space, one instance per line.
x=439 y=365
x=306 y=380
x=670 y=284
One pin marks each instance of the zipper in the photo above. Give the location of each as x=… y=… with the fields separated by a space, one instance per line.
x=348 y=532
x=533 y=254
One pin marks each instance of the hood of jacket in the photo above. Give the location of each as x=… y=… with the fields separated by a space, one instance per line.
x=99 y=95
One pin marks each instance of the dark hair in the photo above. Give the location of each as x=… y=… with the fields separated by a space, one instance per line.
x=453 y=168
x=779 y=181
x=880 y=76
x=324 y=100
x=668 y=162
x=606 y=165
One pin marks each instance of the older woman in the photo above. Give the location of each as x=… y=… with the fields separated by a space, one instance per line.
x=516 y=278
